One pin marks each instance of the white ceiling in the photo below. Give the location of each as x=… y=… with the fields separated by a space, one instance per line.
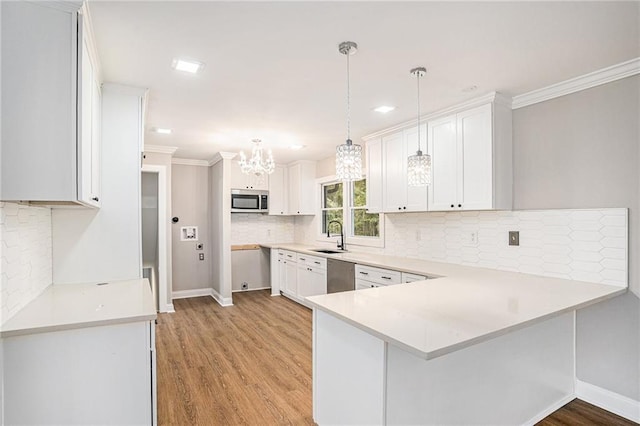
x=273 y=70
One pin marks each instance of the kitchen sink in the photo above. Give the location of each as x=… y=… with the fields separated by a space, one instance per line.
x=328 y=251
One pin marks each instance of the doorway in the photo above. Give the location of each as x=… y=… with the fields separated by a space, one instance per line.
x=155 y=256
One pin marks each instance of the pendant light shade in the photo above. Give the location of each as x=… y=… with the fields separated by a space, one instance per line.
x=257 y=165
x=348 y=155
x=419 y=164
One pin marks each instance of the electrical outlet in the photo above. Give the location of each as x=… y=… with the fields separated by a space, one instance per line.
x=514 y=238
x=473 y=238
x=201 y=256
x=199 y=246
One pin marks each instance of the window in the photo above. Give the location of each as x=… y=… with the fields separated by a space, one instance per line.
x=364 y=224
x=348 y=201
x=332 y=205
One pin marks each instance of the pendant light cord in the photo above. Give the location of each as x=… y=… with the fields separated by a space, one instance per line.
x=418 y=84
x=348 y=98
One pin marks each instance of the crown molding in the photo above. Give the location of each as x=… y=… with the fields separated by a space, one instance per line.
x=189 y=162
x=586 y=81
x=221 y=156
x=481 y=100
x=159 y=149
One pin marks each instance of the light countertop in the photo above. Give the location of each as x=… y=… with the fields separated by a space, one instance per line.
x=70 y=306
x=465 y=306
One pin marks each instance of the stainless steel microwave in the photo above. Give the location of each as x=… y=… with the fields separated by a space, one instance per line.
x=243 y=201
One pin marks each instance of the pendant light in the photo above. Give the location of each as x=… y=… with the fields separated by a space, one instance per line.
x=348 y=155
x=257 y=164
x=419 y=167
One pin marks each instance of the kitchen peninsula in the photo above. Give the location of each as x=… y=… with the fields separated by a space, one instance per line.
x=499 y=343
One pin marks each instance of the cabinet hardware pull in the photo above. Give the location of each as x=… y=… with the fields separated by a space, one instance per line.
x=364 y=273
x=302 y=258
x=459 y=205
x=96 y=199
x=386 y=278
x=404 y=208
x=399 y=208
x=317 y=263
x=451 y=205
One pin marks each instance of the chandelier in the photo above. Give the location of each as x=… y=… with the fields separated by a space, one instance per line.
x=348 y=155
x=419 y=164
x=257 y=165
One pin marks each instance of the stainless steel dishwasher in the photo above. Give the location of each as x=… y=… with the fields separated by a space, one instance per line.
x=340 y=276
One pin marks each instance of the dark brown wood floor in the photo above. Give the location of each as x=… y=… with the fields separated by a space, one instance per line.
x=251 y=364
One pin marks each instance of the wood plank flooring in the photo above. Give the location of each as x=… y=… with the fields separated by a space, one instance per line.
x=250 y=364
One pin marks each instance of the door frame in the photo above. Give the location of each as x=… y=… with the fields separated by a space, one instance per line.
x=163 y=237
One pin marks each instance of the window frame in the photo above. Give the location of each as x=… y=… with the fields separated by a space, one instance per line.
x=347 y=201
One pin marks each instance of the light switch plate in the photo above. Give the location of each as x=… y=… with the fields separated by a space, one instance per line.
x=514 y=238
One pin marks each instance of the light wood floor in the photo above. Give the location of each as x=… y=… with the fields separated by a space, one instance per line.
x=251 y=364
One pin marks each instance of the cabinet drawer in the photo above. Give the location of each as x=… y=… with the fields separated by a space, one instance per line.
x=378 y=275
x=363 y=284
x=409 y=278
x=312 y=261
x=289 y=256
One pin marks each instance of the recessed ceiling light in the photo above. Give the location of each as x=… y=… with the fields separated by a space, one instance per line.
x=162 y=131
x=296 y=147
x=384 y=109
x=187 y=65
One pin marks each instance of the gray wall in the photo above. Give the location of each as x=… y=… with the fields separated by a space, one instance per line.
x=152 y=158
x=190 y=201
x=149 y=218
x=582 y=151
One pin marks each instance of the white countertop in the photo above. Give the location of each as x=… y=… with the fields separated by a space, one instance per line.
x=465 y=306
x=70 y=306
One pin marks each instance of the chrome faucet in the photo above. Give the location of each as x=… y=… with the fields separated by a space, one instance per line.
x=341 y=244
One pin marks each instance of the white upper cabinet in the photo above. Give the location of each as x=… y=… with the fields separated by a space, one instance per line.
x=471 y=156
x=241 y=180
x=375 y=180
x=471 y=160
x=397 y=195
x=278 y=192
x=302 y=188
x=49 y=152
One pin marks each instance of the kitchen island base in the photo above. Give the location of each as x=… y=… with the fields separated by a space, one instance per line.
x=515 y=378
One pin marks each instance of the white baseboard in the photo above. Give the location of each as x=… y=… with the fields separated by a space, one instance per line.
x=197 y=292
x=547 y=411
x=222 y=301
x=607 y=400
x=250 y=289
x=167 y=308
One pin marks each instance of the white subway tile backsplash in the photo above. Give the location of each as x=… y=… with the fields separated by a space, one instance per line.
x=251 y=228
x=25 y=253
x=587 y=245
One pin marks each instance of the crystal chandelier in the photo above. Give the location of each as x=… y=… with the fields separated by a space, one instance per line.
x=348 y=155
x=419 y=167
x=257 y=165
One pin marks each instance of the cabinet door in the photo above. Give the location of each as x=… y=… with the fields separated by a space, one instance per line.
x=475 y=184
x=444 y=165
x=96 y=143
x=259 y=183
x=395 y=173
x=86 y=131
x=291 y=281
x=317 y=282
x=278 y=192
x=239 y=180
x=417 y=197
x=294 y=189
x=374 y=176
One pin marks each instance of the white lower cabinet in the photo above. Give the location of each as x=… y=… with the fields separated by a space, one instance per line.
x=370 y=277
x=300 y=275
x=92 y=375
